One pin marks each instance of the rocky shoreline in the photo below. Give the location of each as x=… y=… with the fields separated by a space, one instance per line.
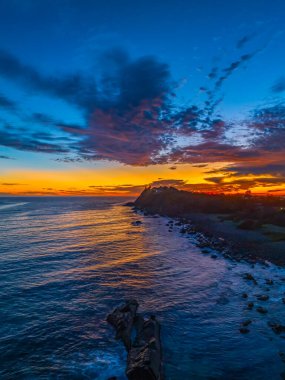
x=260 y=300
x=210 y=231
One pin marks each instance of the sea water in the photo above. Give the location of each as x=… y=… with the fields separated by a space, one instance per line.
x=66 y=262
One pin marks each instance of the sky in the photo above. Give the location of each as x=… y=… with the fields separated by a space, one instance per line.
x=106 y=97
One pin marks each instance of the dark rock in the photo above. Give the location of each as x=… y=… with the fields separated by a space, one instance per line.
x=144 y=359
x=249 y=277
x=282 y=356
x=112 y=378
x=122 y=319
x=250 y=305
x=214 y=256
x=268 y=281
x=205 y=250
x=244 y=330
x=283 y=300
x=144 y=351
x=129 y=204
x=248 y=224
x=247 y=322
x=263 y=297
x=137 y=223
x=244 y=295
x=277 y=327
x=261 y=310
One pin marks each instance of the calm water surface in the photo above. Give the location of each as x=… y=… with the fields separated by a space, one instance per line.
x=66 y=262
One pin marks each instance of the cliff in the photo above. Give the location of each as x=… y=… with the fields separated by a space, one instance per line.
x=251 y=226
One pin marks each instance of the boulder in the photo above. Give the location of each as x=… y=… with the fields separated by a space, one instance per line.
x=122 y=319
x=249 y=277
x=247 y=322
x=144 y=358
x=137 y=223
x=261 y=310
x=250 y=305
x=277 y=327
x=262 y=297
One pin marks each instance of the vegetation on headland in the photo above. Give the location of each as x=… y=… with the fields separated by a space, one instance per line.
x=250 y=212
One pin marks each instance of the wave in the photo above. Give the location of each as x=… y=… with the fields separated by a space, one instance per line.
x=10 y=205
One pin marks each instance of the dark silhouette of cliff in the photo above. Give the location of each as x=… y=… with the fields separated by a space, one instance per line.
x=250 y=211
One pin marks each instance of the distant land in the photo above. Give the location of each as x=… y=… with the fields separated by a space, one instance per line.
x=244 y=226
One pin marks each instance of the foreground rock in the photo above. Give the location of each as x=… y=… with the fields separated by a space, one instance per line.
x=144 y=360
x=122 y=319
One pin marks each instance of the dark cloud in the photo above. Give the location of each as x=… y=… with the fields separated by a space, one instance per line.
x=132 y=123
x=11 y=184
x=4 y=157
x=244 y=40
x=6 y=103
x=279 y=86
x=218 y=75
x=75 y=88
x=26 y=143
x=200 y=165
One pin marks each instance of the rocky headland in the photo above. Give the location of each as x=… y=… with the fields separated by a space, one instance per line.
x=242 y=227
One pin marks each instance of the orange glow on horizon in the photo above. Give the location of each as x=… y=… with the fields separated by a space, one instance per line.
x=123 y=181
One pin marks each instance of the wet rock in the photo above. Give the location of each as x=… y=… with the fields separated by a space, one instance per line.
x=203 y=244
x=249 y=277
x=122 y=319
x=263 y=297
x=129 y=204
x=268 y=281
x=261 y=310
x=244 y=295
x=243 y=330
x=144 y=358
x=214 y=256
x=205 y=251
x=250 y=305
x=247 y=322
x=144 y=350
x=112 y=378
x=137 y=223
x=277 y=327
x=283 y=300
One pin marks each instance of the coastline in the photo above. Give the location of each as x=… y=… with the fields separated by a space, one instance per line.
x=218 y=231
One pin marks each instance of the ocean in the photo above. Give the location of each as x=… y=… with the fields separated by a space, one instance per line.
x=66 y=262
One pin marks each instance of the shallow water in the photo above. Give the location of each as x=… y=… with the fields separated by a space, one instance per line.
x=66 y=262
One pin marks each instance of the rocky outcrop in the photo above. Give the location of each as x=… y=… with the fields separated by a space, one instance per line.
x=122 y=319
x=144 y=360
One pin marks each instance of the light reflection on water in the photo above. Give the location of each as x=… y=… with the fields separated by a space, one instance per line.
x=66 y=262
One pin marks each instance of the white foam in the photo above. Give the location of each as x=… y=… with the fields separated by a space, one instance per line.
x=10 y=205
